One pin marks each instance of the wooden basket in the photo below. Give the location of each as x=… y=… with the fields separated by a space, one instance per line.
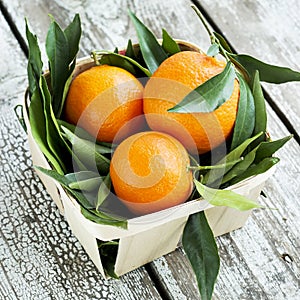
x=160 y=231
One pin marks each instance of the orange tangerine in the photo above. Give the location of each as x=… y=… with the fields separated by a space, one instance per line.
x=106 y=101
x=171 y=82
x=149 y=172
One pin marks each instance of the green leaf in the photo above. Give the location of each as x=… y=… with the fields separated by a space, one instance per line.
x=56 y=44
x=260 y=108
x=104 y=190
x=268 y=73
x=101 y=147
x=73 y=34
x=233 y=156
x=86 y=151
x=84 y=180
x=267 y=149
x=53 y=136
x=62 y=47
x=200 y=247
x=225 y=197
x=108 y=253
x=118 y=60
x=240 y=167
x=38 y=129
x=130 y=51
x=168 y=44
x=256 y=169
x=101 y=218
x=210 y=95
x=35 y=64
x=87 y=206
x=64 y=181
x=213 y=50
x=245 y=120
x=152 y=52
x=80 y=132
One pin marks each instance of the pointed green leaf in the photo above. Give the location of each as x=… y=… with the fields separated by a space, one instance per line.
x=263 y=166
x=58 y=55
x=245 y=119
x=240 y=167
x=101 y=147
x=79 y=176
x=62 y=47
x=73 y=34
x=152 y=52
x=267 y=149
x=200 y=247
x=130 y=50
x=108 y=253
x=80 y=132
x=35 y=64
x=64 y=181
x=54 y=138
x=268 y=73
x=86 y=151
x=225 y=197
x=210 y=95
x=104 y=190
x=260 y=108
x=233 y=156
x=87 y=208
x=38 y=129
x=262 y=151
x=94 y=216
x=168 y=44
x=84 y=180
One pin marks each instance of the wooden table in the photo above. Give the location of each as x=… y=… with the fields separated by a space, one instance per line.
x=39 y=256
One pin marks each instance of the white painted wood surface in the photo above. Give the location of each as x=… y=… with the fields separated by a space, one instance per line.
x=33 y=234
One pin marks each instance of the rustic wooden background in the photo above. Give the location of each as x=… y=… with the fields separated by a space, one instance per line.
x=39 y=256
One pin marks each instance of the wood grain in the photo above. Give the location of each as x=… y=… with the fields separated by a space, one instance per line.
x=39 y=256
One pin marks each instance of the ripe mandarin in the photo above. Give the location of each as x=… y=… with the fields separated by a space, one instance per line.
x=149 y=172
x=106 y=101
x=171 y=82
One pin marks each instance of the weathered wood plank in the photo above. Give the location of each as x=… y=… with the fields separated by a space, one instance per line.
x=268 y=30
x=39 y=256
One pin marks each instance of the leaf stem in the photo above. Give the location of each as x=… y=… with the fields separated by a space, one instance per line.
x=205 y=24
x=220 y=166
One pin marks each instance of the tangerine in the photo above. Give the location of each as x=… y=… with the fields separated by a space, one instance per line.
x=106 y=101
x=177 y=76
x=149 y=172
